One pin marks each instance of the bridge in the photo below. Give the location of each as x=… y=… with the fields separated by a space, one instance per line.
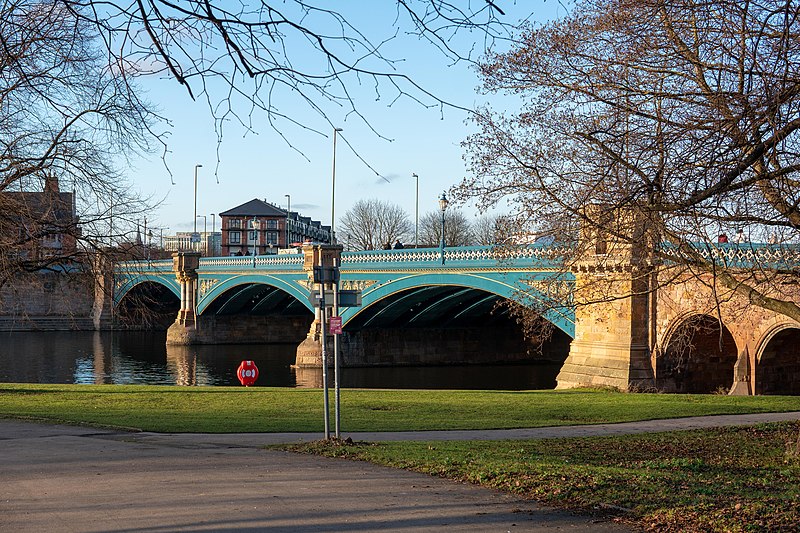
x=418 y=309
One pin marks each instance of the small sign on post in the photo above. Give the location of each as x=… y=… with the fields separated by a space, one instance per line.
x=335 y=325
x=346 y=299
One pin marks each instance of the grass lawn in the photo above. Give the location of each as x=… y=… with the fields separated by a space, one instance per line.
x=229 y=409
x=732 y=479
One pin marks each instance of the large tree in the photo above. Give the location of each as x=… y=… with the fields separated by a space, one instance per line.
x=67 y=118
x=372 y=224
x=680 y=114
x=72 y=113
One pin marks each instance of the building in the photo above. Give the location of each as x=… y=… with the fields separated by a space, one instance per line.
x=40 y=226
x=208 y=244
x=266 y=228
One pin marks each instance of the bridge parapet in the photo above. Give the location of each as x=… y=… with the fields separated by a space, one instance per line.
x=539 y=255
x=750 y=254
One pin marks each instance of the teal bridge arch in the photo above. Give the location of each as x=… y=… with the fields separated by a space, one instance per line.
x=389 y=280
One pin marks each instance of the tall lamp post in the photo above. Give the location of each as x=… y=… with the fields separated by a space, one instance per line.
x=443 y=203
x=288 y=210
x=205 y=232
x=333 y=185
x=213 y=233
x=195 y=196
x=256 y=225
x=416 y=213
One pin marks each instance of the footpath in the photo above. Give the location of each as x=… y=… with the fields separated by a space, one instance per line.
x=70 y=478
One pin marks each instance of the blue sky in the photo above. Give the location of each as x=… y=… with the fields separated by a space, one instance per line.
x=248 y=165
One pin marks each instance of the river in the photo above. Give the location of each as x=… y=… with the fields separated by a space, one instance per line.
x=143 y=358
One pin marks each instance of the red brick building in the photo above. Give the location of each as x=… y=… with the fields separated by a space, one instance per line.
x=265 y=228
x=40 y=226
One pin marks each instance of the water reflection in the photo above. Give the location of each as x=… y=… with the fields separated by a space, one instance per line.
x=144 y=358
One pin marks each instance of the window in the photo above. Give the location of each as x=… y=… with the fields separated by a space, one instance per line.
x=253 y=235
x=235 y=223
x=272 y=237
x=272 y=224
x=235 y=237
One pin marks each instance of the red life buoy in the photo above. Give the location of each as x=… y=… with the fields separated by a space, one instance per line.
x=247 y=373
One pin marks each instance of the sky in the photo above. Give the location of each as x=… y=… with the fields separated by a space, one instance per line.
x=399 y=138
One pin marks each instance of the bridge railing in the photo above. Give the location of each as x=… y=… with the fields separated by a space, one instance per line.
x=541 y=255
x=749 y=255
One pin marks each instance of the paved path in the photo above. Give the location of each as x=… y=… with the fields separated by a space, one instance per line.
x=65 y=478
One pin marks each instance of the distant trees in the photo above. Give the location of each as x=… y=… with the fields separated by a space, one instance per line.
x=372 y=223
x=457 y=229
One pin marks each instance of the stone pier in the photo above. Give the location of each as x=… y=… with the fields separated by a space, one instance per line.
x=309 y=353
x=184 y=330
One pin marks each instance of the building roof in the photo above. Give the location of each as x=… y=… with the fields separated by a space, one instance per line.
x=254 y=207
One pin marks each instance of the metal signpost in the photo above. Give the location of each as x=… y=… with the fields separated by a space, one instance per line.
x=323 y=301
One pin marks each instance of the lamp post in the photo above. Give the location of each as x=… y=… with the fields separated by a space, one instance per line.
x=205 y=232
x=195 y=196
x=288 y=210
x=443 y=207
x=333 y=185
x=255 y=226
x=213 y=235
x=416 y=213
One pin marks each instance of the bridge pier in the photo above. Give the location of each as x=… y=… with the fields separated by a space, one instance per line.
x=615 y=308
x=309 y=352
x=184 y=330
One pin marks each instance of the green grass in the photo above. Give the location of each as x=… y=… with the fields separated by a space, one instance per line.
x=229 y=409
x=730 y=479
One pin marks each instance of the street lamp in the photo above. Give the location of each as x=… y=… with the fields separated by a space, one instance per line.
x=213 y=233
x=195 y=196
x=288 y=209
x=333 y=184
x=443 y=203
x=416 y=214
x=255 y=226
x=205 y=232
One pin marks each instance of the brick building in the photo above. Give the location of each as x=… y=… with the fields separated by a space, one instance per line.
x=39 y=226
x=266 y=228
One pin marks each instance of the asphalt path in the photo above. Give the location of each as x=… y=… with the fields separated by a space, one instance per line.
x=69 y=478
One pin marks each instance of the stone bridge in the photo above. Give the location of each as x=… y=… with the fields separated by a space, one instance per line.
x=663 y=330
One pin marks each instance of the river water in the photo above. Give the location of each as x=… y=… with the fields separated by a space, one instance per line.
x=143 y=358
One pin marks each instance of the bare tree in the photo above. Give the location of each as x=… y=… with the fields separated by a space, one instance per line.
x=372 y=224
x=67 y=117
x=255 y=57
x=487 y=230
x=680 y=113
x=457 y=229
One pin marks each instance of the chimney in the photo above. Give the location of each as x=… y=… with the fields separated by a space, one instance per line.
x=51 y=184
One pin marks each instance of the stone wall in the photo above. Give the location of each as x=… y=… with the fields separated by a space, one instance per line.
x=436 y=346
x=240 y=329
x=49 y=301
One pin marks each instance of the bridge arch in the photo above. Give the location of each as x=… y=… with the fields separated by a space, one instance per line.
x=243 y=286
x=131 y=283
x=698 y=355
x=497 y=284
x=147 y=302
x=777 y=369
